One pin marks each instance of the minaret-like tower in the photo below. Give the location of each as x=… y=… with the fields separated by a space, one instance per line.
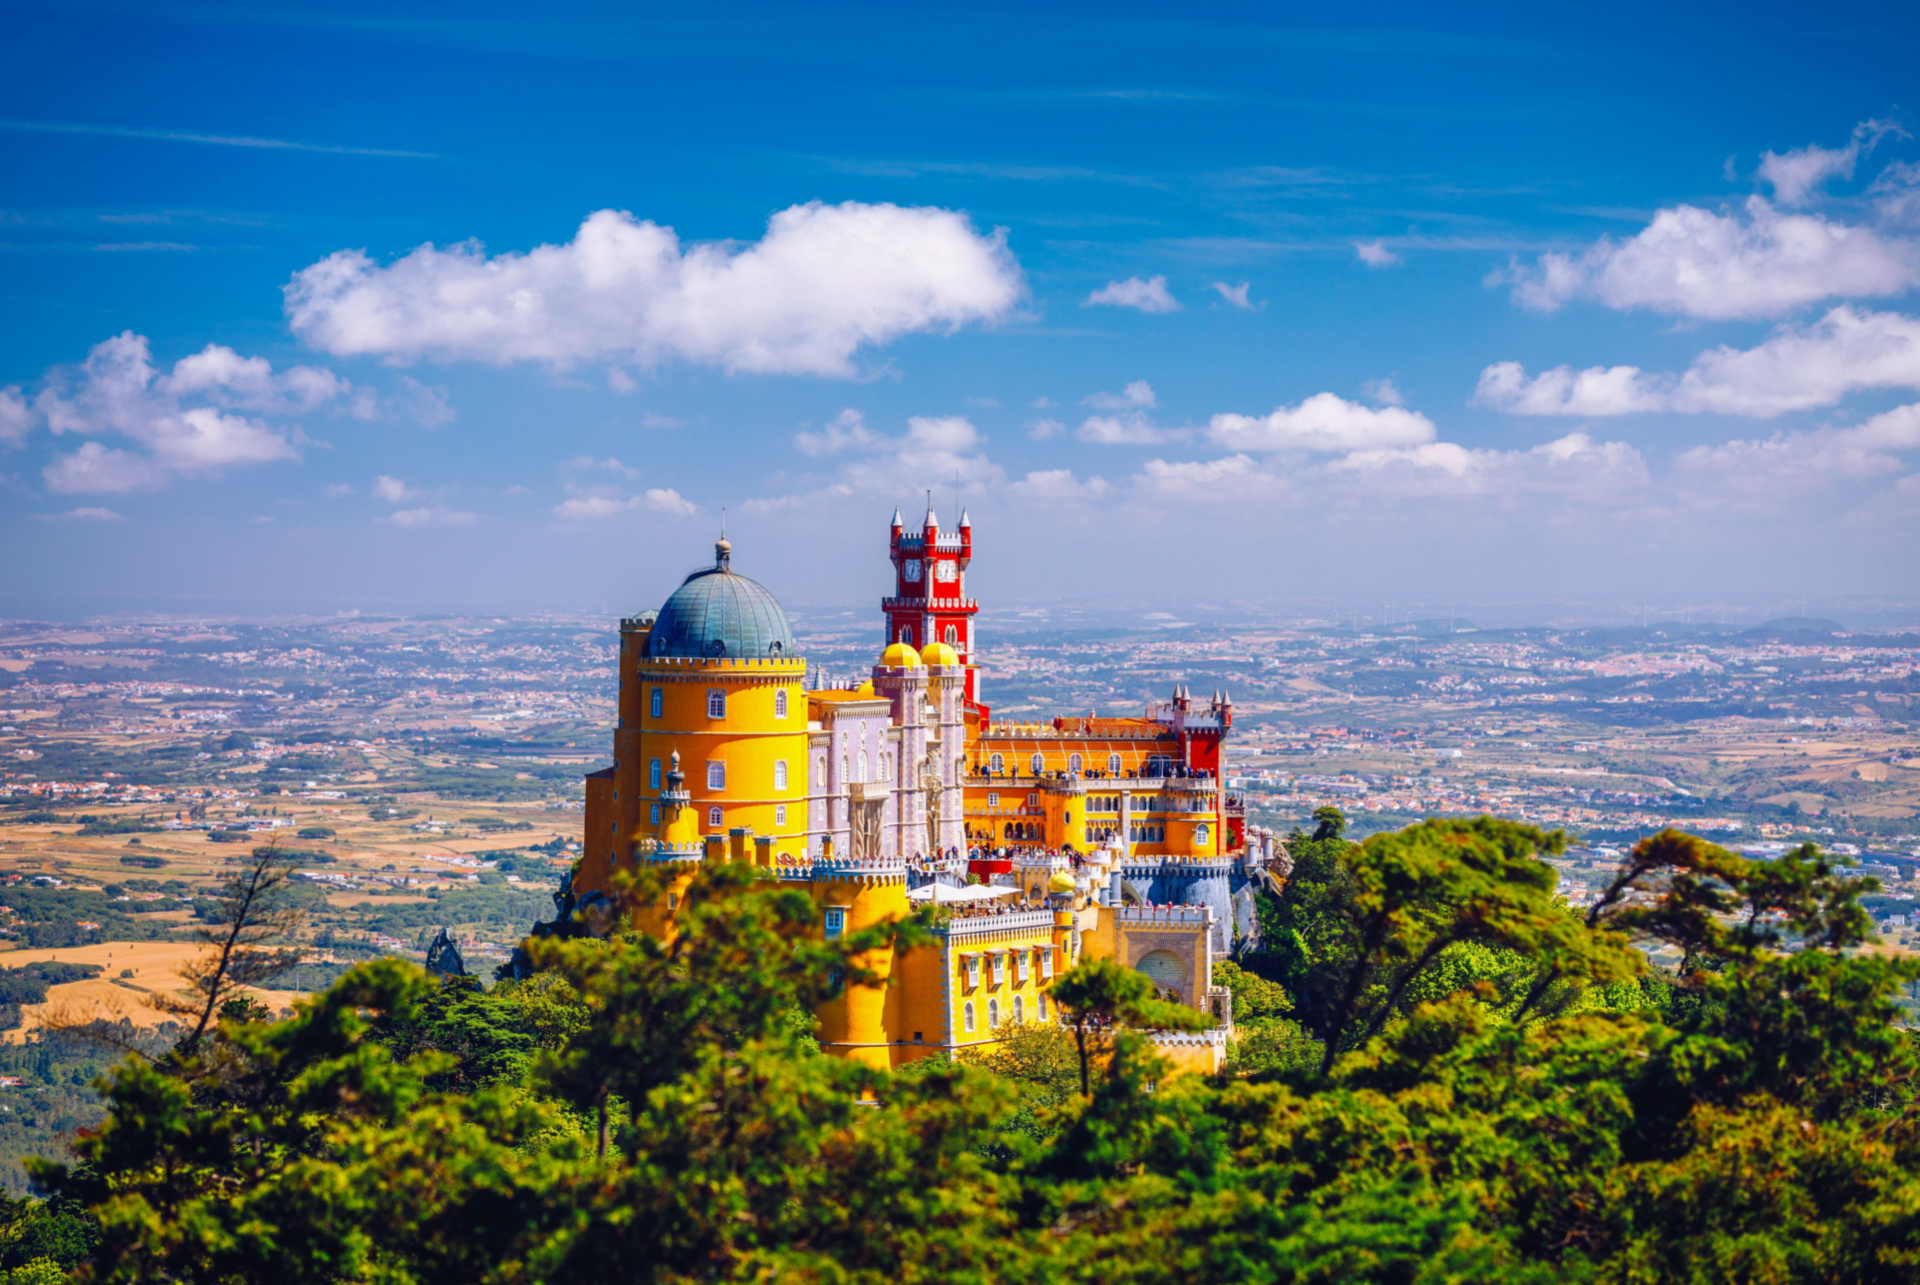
x=929 y=602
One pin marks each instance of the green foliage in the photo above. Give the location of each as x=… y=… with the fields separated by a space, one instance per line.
x=1440 y=1073
x=28 y=983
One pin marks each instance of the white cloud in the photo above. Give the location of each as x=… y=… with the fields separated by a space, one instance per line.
x=15 y=417
x=437 y=515
x=337 y=490
x=1384 y=391
x=1323 y=422
x=1137 y=395
x=620 y=381
x=587 y=464
x=1375 y=254
x=1766 y=474
x=1042 y=430
x=1696 y=263
x=1793 y=369
x=90 y=514
x=1057 y=486
x=588 y=508
x=392 y=490
x=118 y=390
x=936 y=450
x=846 y=431
x=1148 y=296
x=668 y=500
x=424 y=404
x=1799 y=174
x=1236 y=474
x=1235 y=295
x=1572 y=466
x=823 y=282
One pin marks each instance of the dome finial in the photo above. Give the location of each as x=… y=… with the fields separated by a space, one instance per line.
x=723 y=548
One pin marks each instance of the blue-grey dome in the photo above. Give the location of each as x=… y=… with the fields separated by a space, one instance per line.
x=718 y=613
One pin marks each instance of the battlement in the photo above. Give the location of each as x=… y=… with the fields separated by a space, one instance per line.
x=964 y=928
x=1190 y=916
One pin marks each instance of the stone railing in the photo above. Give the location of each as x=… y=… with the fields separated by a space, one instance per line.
x=1199 y=916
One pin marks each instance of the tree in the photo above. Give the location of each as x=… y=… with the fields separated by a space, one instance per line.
x=1101 y=996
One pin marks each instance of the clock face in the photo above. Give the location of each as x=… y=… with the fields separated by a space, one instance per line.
x=946 y=571
x=910 y=571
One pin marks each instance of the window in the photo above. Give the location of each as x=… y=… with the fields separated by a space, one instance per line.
x=1201 y=834
x=835 y=922
x=999 y=970
x=971 y=968
x=713 y=818
x=993 y=800
x=1019 y=1011
x=1040 y=1005
x=846 y=771
x=779 y=814
x=1046 y=971
x=967 y=1012
x=653 y=773
x=1037 y=763
x=1022 y=963
x=779 y=702
x=716 y=775
x=820 y=773
x=657 y=702
x=1113 y=764
x=906 y=634
x=886 y=767
x=656 y=814
x=780 y=774
x=1074 y=763
x=997 y=763
x=953 y=635
x=993 y=1014
x=716 y=704
x=863 y=767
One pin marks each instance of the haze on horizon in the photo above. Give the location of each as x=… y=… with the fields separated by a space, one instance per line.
x=415 y=307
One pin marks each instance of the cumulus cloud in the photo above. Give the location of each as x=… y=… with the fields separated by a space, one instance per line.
x=825 y=281
x=1042 y=430
x=1138 y=395
x=436 y=515
x=1132 y=426
x=1799 y=174
x=587 y=508
x=1794 y=368
x=1150 y=295
x=392 y=490
x=668 y=500
x=16 y=418
x=1724 y=266
x=1384 y=391
x=1764 y=474
x=1236 y=474
x=1059 y=485
x=1324 y=422
x=1235 y=295
x=1375 y=254
x=185 y=419
x=90 y=513
x=935 y=450
x=846 y=431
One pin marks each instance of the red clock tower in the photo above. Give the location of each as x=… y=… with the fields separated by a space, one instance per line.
x=929 y=602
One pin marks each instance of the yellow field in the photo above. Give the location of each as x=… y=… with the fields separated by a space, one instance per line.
x=155 y=966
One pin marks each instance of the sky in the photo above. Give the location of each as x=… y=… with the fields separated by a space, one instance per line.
x=407 y=307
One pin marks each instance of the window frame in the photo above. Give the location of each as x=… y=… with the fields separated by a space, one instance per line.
x=716 y=774
x=779 y=702
x=657 y=703
x=779 y=814
x=967 y=1016
x=715 y=818
x=996 y=763
x=717 y=703
x=655 y=779
x=1038 y=763
x=779 y=774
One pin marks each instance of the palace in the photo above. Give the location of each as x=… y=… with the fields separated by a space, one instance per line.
x=1085 y=837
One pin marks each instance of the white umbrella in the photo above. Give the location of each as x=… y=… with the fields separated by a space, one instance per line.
x=941 y=894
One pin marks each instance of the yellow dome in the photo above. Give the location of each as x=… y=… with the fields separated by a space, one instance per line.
x=865 y=689
x=1062 y=881
x=938 y=653
x=900 y=656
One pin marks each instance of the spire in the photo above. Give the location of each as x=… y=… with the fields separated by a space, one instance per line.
x=896 y=517
x=722 y=548
x=932 y=521
x=966 y=523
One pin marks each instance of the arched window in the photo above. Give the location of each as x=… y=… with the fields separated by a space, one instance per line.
x=656 y=702
x=886 y=767
x=653 y=773
x=1201 y=834
x=713 y=818
x=779 y=702
x=716 y=704
x=1037 y=763
x=846 y=772
x=967 y=1012
x=1074 y=764
x=1019 y=1011
x=906 y=634
x=953 y=635
x=1113 y=764
x=1040 y=1005
x=863 y=767
x=993 y=1014
x=716 y=774
x=997 y=763
x=780 y=774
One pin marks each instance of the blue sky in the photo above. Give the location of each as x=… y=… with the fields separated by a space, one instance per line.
x=1192 y=301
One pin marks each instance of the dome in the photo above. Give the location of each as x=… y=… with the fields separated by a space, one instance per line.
x=1062 y=881
x=938 y=653
x=718 y=613
x=900 y=656
x=864 y=689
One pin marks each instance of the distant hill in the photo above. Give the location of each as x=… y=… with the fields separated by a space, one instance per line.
x=1797 y=625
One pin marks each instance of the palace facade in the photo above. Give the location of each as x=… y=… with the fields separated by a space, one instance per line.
x=1086 y=836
